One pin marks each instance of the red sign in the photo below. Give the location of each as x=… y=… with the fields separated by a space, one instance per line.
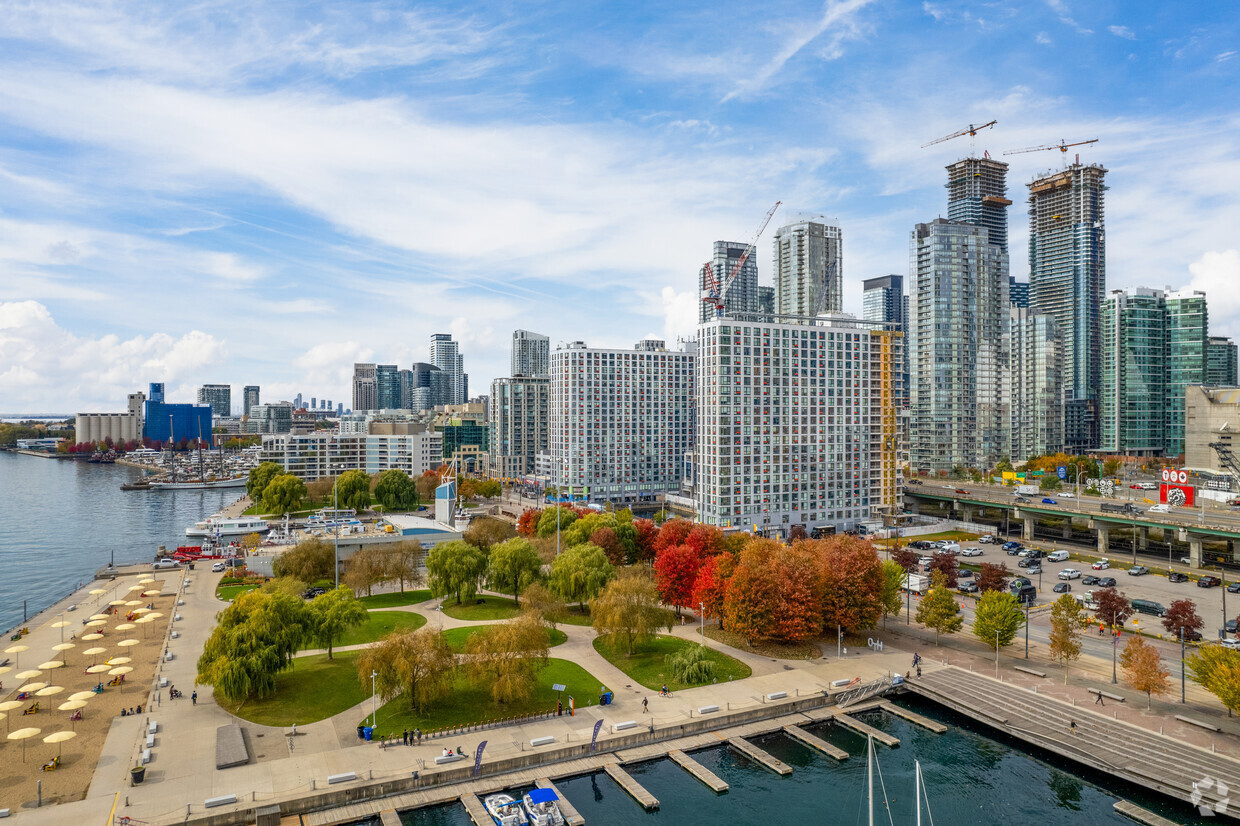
x=1179 y=495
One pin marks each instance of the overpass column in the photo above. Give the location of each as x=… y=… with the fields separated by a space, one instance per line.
x=1194 y=550
x=1027 y=534
x=1067 y=529
x=966 y=512
x=1143 y=538
x=1104 y=540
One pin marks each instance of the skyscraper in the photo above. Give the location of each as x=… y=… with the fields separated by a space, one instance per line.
x=1221 y=361
x=1067 y=279
x=1035 y=379
x=430 y=387
x=365 y=388
x=520 y=408
x=387 y=387
x=445 y=355
x=530 y=353
x=884 y=301
x=809 y=270
x=977 y=194
x=218 y=396
x=1018 y=292
x=742 y=295
x=250 y=398
x=1188 y=329
x=1134 y=375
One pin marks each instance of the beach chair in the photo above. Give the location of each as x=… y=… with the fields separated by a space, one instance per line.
x=53 y=765
x=34 y=709
x=98 y=689
x=24 y=695
x=77 y=715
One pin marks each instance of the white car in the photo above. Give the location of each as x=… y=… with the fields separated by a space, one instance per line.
x=987 y=539
x=971 y=552
x=1069 y=573
x=1101 y=565
x=1232 y=644
x=217 y=568
x=924 y=561
x=1066 y=495
x=1159 y=509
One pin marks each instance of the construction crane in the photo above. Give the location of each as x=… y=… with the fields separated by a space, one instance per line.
x=971 y=132
x=715 y=289
x=1061 y=146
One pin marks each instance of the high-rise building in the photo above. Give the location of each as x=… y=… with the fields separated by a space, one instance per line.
x=1134 y=375
x=766 y=302
x=218 y=396
x=742 y=295
x=977 y=194
x=797 y=423
x=883 y=301
x=1188 y=330
x=531 y=353
x=1035 y=380
x=273 y=417
x=809 y=269
x=388 y=394
x=445 y=355
x=297 y=399
x=1221 y=361
x=174 y=423
x=430 y=387
x=520 y=409
x=365 y=388
x=249 y=398
x=1018 y=292
x=958 y=347
x=621 y=420
x=318 y=455
x=1067 y=280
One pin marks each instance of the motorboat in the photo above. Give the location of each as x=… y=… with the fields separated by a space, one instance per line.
x=543 y=808
x=217 y=527
x=504 y=810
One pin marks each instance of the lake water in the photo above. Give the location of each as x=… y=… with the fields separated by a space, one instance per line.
x=971 y=779
x=62 y=520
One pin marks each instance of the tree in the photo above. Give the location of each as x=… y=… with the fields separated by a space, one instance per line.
x=455 y=568
x=675 y=571
x=332 y=613
x=1050 y=483
x=1143 y=668
x=1004 y=465
x=527 y=524
x=1217 y=670
x=628 y=609
x=1110 y=467
x=707 y=540
x=992 y=577
x=251 y=541
x=626 y=535
x=309 y=561
x=946 y=563
x=1113 y=609
x=541 y=601
x=260 y=477
x=852 y=582
x=396 y=491
x=401 y=561
x=1068 y=621
x=711 y=586
x=691 y=665
x=283 y=494
x=606 y=539
x=579 y=573
x=672 y=532
x=799 y=615
x=506 y=658
x=255 y=638
x=797 y=533
x=1182 y=614
x=418 y=664
x=546 y=522
x=513 y=565
x=647 y=535
x=938 y=609
x=487 y=531
x=893 y=586
x=998 y=613
x=366 y=568
x=906 y=559
x=353 y=490
x=753 y=592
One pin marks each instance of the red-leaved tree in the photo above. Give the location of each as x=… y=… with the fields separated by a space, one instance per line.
x=711 y=586
x=992 y=577
x=675 y=572
x=706 y=539
x=946 y=563
x=852 y=582
x=752 y=598
x=905 y=558
x=527 y=525
x=800 y=595
x=1182 y=614
x=647 y=535
x=673 y=532
x=606 y=539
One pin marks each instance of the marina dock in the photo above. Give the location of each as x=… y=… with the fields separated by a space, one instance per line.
x=814 y=742
x=571 y=816
x=477 y=812
x=699 y=771
x=388 y=817
x=759 y=756
x=1135 y=812
x=867 y=730
x=914 y=718
x=635 y=790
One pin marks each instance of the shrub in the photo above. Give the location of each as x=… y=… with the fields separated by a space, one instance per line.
x=689 y=665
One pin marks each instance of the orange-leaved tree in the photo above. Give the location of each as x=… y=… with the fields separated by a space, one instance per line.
x=753 y=598
x=852 y=582
x=800 y=589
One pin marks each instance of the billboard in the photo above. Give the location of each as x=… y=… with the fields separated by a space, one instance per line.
x=1178 y=495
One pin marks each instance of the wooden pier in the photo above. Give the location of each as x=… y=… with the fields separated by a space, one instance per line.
x=477 y=812
x=388 y=817
x=814 y=742
x=868 y=730
x=699 y=771
x=914 y=718
x=635 y=790
x=1135 y=812
x=571 y=816
x=759 y=756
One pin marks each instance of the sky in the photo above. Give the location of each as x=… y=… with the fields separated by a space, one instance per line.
x=264 y=193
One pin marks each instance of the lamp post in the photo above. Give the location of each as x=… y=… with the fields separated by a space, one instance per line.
x=1027 y=601
x=702 y=617
x=1181 y=664
x=1114 y=649
x=1079 y=474
x=996 y=653
x=336 y=520
x=374 y=711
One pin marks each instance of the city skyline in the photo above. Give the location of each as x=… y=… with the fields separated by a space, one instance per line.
x=243 y=207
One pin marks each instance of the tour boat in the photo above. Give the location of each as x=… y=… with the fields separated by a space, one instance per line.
x=541 y=806
x=504 y=810
x=217 y=527
x=208 y=483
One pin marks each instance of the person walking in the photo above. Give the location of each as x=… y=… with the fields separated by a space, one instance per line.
x=919 y=671
x=404 y=737
x=1072 y=726
x=1098 y=702
x=645 y=705
x=194 y=697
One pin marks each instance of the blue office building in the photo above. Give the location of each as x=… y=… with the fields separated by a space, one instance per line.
x=165 y=422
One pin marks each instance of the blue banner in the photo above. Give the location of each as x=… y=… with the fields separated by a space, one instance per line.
x=478 y=758
x=598 y=726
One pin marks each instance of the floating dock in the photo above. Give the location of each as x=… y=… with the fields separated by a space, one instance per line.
x=759 y=756
x=914 y=718
x=477 y=812
x=1135 y=812
x=699 y=771
x=626 y=782
x=571 y=816
x=814 y=742
x=861 y=728
x=388 y=817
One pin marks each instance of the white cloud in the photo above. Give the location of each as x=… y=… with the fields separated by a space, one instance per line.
x=680 y=313
x=1224 y=57
x=1122 y=31
x=1217 y=274
x=1043 y=39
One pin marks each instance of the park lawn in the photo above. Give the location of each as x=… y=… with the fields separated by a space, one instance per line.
x=457 y=637
x=395 y=599
x=766 y=648
x=574 y=617
x=467 y=704
x=315 y=688
x=648 y=667
x=379 y=624
x=230 y=592
x=482 y=608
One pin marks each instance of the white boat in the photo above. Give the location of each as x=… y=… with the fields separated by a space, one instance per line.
x=218 y=527
x=200 y=484
x=542 y=807
x=504 y=810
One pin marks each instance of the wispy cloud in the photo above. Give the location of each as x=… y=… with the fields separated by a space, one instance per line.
x=1122 y=31
x=1065 y=16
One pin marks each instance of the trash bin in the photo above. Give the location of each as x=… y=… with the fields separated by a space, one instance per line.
x=605 y=699
x=368 y=732
x=361 y=732
x=137 y=774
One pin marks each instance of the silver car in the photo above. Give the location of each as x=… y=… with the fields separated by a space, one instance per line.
x=1069 y=573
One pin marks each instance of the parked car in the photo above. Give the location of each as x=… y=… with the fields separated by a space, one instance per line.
x=1089 y=579
x=311 y=593
x=1069 y=573
x=987 y=539
x=1024 y=552
x=1231 y=626
x=1046 y=500
x=218 y=568
x=1107 y=582
x=1138 y=570
x=921 y=545
x=1012 y=546
x=924 y=561
x=1025 y=563
x=971 y=552
x=967 y=588
x=1036 y=553
x=1209 y=582
x=1101 y=565
x=1033 y=568
x=1234 y=588
x=950 y=548
x=1176 y=576
x=1062 y=587
x=166 y=563
x=964 y=573
x=1058 y=556
x=1232 y=644
x=1149 y=606
x=1191 y=636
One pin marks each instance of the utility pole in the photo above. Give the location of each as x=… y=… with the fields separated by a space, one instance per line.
x=1114 y=649
x=1027 y=626
x=1181 y=664
x=702 y=617
x=374 y=713
x=996 y=653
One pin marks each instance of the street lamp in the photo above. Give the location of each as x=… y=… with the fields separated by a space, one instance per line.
x=1079 y=474
x=1181 y=664
x=374 y=712
x=702 y=617
x=1027 y=601
x=996 y=653
x=1114 y=649
x=336 y=520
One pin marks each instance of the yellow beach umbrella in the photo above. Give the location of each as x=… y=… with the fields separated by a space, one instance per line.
x=59 y=738
x=92 y=637
x=117 y=602
x=26 y=675
x=137 y=587
x=17 y=650
x=60 y=624
x=154 y=615
x=64 y=646
x=126 y=626
x=127 y=643
x=72 y=704
x=131 y=603
x=94 y=592
x=96 y=623
x=119 y=661
x=152 y=593
x=100 y=616
x=51 y=664
x=9 y=705
x=142 y=610
x=32 y=687
x=121 y=669
x=24 y=734
x=5 y=669
x=97 y=669
x=81 y=695
x=49 y=691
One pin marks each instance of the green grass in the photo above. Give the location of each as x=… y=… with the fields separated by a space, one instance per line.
x=379 y=624
x=230 y=592
x=395 y=599
x=574 y=617
x=468 y=704
x=648 y=668
x=491 y=608
x=457 y=637
x=315 y=688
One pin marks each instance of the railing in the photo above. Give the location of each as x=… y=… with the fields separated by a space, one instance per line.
x=863 y=692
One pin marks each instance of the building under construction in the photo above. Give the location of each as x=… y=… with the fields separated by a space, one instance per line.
x=977 y=194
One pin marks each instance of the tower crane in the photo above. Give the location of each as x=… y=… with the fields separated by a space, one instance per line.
x=715 y=289
x=971 y=132
x=1061 y=146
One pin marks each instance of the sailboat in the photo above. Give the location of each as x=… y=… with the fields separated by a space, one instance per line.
x=870 y=764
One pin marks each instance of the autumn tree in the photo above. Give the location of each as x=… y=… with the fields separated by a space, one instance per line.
x=672 y=532
x=487 y=531
x=527 y=524
x=892 y=596
x=799 y=615
x=402 y=561
x=906 y=559
x=753 y=592
x=992 y=577
x=505 y=659
x=513 y=565
x=938 y=609
x=455 y=568
x=353 y=490
x=333 y=613
x=1113 y=609
x=309 y=561
x=796 y=533
x=606 y=539
x=418 y=664
x=675 y=571
x=628 y=609
x=539 y=599
x=1068 y=622
x=260 y=477
x=707 y=540
x=998 y=613
x=711 y=586
x=579 y=573
x=1182 y=614
x=546 y=521
x=946 y=563
x=647 y=535
x=852 y=582
x=396 y=491
x=366 y=568
x=1217 y=670
x=1143 y=668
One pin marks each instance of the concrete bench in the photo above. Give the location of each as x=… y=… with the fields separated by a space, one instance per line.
x=176 y=635
x=4 y=812
x=230 y=747
x=1032 y=671
x=146 y=756
x=777 y=695
x=163 y=682
x=150 y=741
x=840 y=683
x=447 y=758
x=152 y=727
x=1197 y=723
x=1116 y=697
x=222 y=800
x=169 y=656
x=707 y=709
x=624 y=725
x=542 y=741
x=341 y=778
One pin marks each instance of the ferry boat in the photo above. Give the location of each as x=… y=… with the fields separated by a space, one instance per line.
x=219 y=527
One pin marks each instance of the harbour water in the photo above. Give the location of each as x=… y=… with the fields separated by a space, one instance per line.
x=971 y=778
x=62 y=520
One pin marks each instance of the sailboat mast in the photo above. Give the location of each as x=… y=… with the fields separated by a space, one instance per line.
x=869 y=774
x=918 y=795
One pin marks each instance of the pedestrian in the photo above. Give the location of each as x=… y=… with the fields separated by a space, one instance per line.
x=919 y=671
x=194 y=697
x=1098 y=702
x=404 y=737
x=419 y=733
x=1072 y=726
x=645 y=705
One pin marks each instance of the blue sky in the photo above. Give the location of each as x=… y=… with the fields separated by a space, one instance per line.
x=264 y=193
